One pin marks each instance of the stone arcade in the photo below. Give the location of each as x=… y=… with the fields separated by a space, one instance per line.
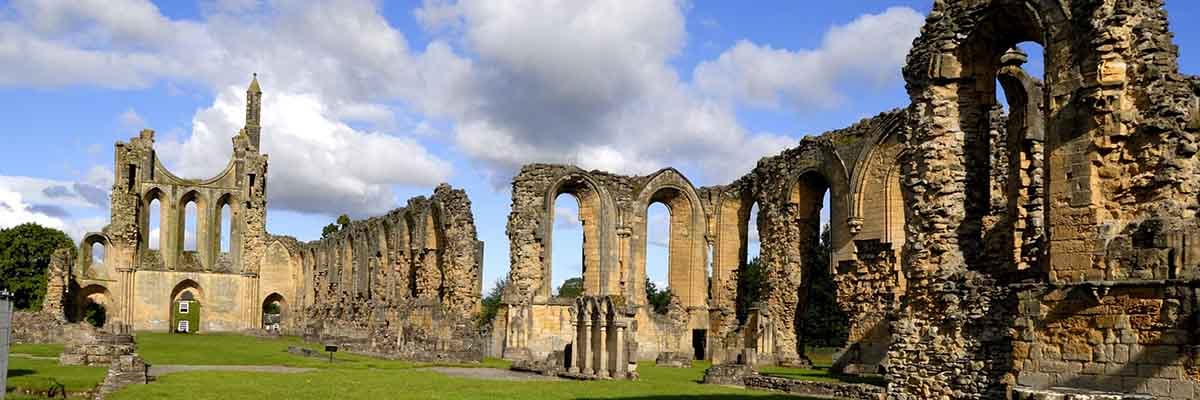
x=395 y=284
x=977 y=254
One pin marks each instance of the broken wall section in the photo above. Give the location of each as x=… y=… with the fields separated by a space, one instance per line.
x=405 y=284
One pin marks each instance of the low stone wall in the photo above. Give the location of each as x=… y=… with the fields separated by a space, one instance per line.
x=37 y=328
x=93 y=347
x=416 y=331
x=728 y=374
x=810 y=388
x=673 y=360
x=124 y=370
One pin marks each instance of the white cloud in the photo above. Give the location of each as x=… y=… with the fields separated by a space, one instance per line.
x=558 y=81
x=130 y=120
x=318 y=164
x=590 y=83
x=871 y=49
x=322 y=65
x=14 y=211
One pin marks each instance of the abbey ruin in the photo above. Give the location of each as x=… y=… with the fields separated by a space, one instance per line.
x=402 y=284
x=979 y=252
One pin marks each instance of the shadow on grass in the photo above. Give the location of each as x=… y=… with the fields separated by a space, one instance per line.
x=12 y=373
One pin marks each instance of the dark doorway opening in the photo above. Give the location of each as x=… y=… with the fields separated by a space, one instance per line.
x=699 y=343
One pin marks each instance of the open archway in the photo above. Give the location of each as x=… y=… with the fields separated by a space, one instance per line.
x=274 y=309
x=187 y=299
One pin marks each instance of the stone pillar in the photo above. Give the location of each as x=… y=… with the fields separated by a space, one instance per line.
x=584 y=343
x=620 y=364
x=577 y=347
x=602 y=341
x=597 y=346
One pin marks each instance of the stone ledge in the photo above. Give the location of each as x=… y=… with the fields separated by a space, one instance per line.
x=1059 y=393
x=859 y=391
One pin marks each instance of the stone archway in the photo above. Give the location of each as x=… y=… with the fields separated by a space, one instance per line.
x=187 y=299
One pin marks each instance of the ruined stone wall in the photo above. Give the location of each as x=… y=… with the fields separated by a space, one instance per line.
x=405 y=284
x=713 y=222
x=139 y=274
x=1119 y=201
x=613 y=212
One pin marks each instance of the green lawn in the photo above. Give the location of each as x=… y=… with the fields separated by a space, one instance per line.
x=40 y=350
x=356 y=377
x=41 y=375
x=655 y=383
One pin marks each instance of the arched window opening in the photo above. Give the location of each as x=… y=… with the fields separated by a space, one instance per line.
x=658 y=257
x=154 y=230
x=1020 y=167
x=97 y=253
x=190 y=226
x=567 y=258
x=751 y=272
x=226 y=217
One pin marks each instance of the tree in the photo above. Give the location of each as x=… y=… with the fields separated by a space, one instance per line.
x=657 y=299
x=343 y=220
x=328 y=230
x=491 y=302
x=571 y=288
x=24 y=259
x=750 y=281
x=823 y=324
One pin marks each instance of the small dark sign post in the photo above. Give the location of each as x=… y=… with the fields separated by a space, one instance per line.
x=331 y=349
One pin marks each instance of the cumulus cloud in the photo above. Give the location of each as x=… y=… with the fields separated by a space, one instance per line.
x=870 y=49
x=558 y=81
x=588 y=83
x=322 y=65
x=15 y=209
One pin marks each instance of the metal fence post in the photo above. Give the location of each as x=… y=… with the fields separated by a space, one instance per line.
x=6 y=310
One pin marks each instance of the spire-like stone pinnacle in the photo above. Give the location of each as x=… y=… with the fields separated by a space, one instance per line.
x=254 y=85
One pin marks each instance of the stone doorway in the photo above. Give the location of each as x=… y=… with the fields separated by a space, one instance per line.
x=699 y=343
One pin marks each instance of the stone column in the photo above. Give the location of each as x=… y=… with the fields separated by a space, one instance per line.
x=619 y=362
x=577 y=347
x=597 y=346
x=602 y=340
x=584 y=343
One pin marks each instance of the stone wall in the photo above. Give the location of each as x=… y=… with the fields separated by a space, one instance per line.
x=1117 y=188
x=856 y=166
x=140 y=276
x=406 y=284
x=974 y=251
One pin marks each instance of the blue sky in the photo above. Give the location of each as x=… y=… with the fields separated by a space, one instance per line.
x=370 y=103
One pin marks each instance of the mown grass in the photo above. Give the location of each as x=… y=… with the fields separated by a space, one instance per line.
x=39 y=376
x=414 y=383
x=358 y=377
x=39 y=350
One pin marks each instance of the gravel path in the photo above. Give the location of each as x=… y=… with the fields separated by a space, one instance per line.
x=490 y=374
x=160 y=370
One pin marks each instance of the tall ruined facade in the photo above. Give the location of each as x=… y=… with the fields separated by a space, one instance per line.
x=238 y=277
x=977 y=251
x=149 y=264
